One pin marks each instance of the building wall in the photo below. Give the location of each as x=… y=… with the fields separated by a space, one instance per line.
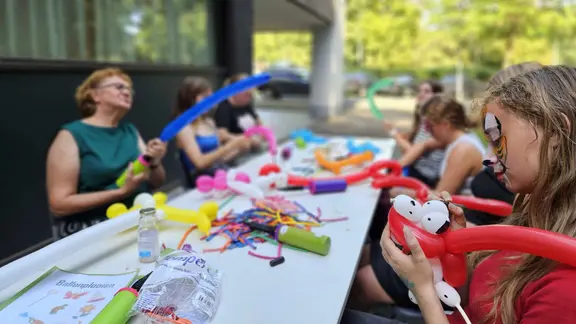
x=43 y=60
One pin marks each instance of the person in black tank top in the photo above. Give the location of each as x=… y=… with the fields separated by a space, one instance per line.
x=237 y=114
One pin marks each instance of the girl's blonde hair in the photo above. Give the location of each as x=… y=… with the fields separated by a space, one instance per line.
x=502 y=76
x=546 y=98
x=83 y=95
x=512 y=71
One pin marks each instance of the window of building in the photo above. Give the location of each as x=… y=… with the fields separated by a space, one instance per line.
x=147 y=31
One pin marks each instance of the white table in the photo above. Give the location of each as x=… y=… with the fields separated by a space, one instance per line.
x=307 y=288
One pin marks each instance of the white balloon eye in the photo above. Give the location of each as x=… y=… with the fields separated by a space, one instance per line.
x=434 y=206
x=447 y=294
x=408 y=208
x=435 y=223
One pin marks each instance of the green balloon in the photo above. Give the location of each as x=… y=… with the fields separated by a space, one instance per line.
x=372 y=92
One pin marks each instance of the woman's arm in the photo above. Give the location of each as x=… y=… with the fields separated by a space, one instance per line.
x=187 y=142
x=430 y=305
x=417 y=150
x=463 y=159
x=62 y=169
x=224 y=135
x=404 y=144
x=158 y=173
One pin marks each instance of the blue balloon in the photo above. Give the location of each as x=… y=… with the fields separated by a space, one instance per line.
x=361 y=148
x=175 y=126
x=308 y=136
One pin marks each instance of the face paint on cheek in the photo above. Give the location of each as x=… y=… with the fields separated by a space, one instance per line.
x=500 y=148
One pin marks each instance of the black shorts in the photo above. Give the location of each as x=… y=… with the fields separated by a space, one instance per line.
x=355 y=317
x=390 y=281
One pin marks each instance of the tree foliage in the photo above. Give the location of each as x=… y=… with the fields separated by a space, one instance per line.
x=389 y=36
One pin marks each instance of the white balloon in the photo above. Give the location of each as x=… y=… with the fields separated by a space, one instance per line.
x=447 y=294
x=160 y=214
x=412 y=297
x=407 y=207
x=145 y=200
x=281 y=180
x=246 y=189
x=264 y=182
x=435 y=223
x=436 y=269
x=434 y=206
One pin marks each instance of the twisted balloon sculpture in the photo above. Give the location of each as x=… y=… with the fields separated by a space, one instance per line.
x=449 y=246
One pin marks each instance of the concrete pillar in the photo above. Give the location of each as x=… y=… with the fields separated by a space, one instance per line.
x=327 y=77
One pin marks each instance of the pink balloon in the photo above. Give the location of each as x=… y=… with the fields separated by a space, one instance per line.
x=243 y=177
x=220 y=183
x=220 y=173
x=204 y=183
x=268 y=135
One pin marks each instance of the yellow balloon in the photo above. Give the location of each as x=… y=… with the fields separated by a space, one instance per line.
x=210 y=208
x=202 y=218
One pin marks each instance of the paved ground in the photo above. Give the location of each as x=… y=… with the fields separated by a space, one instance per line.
x=288 y=114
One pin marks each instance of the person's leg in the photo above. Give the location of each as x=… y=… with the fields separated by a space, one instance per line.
x=355 y=317
x=364 y=256
x=366 y=290
x=377 y=283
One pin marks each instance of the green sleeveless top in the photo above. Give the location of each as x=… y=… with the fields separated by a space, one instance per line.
x=105 y=153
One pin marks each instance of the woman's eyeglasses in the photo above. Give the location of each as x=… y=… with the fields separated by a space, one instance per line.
x=118 y=86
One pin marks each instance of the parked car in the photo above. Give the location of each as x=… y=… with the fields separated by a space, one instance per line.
x=403 y=85
x=286 y=81
x=472 y=87
x=358 y=83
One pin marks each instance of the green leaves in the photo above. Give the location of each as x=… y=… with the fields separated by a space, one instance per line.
x=386 y=35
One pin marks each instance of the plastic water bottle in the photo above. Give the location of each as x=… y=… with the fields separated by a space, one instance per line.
x=148 y=236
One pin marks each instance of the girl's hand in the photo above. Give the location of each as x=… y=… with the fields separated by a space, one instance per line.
x=415 y=268
x=457 y=218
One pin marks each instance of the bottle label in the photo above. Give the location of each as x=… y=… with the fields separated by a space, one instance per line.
x=148 y=244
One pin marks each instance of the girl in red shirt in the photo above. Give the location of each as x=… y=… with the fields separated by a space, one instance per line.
x=530 y=122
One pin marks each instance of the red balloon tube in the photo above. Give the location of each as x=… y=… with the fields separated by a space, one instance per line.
x=398 y=181
x=554 y=246
x=490 y=206
x=394 y=168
